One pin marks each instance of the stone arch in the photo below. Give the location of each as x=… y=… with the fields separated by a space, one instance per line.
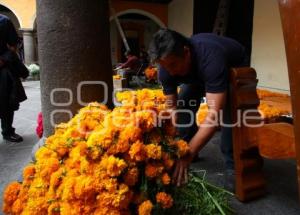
x=144 y=13
x=33 y=22
x=14 y=13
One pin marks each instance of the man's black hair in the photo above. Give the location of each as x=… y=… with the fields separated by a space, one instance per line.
x=165 y=42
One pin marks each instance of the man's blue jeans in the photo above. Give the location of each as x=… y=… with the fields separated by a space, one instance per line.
x=190 y=98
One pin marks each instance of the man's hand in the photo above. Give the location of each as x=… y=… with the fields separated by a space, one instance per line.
x=215 y=102
x=180 y=175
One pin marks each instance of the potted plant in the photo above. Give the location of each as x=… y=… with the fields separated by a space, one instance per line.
x=34 y=71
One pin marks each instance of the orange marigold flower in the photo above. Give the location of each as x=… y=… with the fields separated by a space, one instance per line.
x=45 y=153
x=102 y=138
x=131 y=176
x=268 y=111
x=168 y=162
x=119 y=199
x=145 y=119
x=266 y=93
x=182 y=148
x=154 y=137
x=164 y=199
x=23 y=194
x=94 y=153
x=106 y=211
x=130 y=133
x=151 y=73
x=67 y=189
x=110 y=185
x=10 y=195
x=56 y=177
x=113 y=166
x=153 y=151
x=202 y=113
x=137 y=151
x=67 y=208
x=36 y=206
x=28 y=172
x=54 y=209
x=153 y=170
x=84 y=187
x=62 y=151
x=121 y=146
x=166 y=179
x=145 y=208
x=46 y=167
x=17 y=207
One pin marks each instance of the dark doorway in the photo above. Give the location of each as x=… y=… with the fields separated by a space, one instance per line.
x=240 y=20
x=134 y=45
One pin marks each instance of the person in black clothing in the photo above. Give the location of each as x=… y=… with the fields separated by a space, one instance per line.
x=200 y=66
x=11 y=70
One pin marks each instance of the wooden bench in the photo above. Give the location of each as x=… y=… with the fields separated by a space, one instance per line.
x=250 y=141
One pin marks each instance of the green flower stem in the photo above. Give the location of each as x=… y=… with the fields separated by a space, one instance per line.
x=213 y=199
x=211 y=185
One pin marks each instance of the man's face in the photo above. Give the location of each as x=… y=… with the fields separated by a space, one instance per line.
x=176 y=65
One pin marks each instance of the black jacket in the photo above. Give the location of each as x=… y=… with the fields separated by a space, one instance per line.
x=12 y=92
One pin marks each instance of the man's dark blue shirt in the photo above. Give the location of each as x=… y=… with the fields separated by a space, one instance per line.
x=212 y=56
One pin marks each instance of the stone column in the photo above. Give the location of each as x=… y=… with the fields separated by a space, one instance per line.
x=29 y=46
x=74 y=46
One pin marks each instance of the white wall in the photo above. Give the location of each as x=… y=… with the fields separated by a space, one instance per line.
x=180 y=16
x=268 y=51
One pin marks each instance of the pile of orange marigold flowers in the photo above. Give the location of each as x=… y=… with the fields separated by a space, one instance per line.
x=267 y=93
x=267 y=110
x=112 y=162
x=98 y=163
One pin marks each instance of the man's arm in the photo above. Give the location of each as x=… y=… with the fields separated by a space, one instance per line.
x=216 y=102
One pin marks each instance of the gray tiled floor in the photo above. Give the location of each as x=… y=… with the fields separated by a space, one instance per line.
x=13 y=156
x=281 y=175
x=282 y=197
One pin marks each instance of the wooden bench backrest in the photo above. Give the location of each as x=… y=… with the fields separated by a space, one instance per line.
x=250 y=181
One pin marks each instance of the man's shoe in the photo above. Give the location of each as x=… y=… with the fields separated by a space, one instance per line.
x=13 y=138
